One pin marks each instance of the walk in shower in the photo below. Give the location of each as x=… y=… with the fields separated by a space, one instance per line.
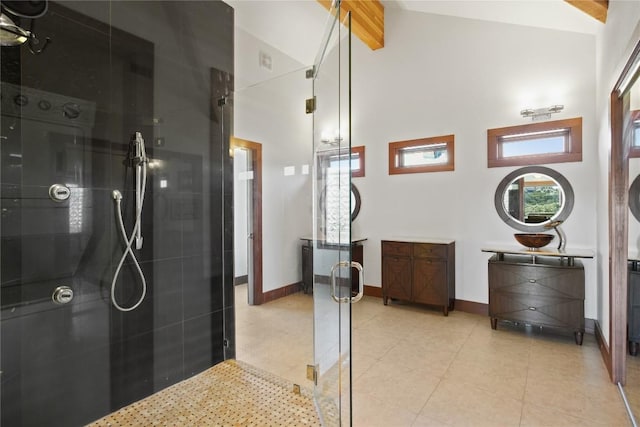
x=87 y=81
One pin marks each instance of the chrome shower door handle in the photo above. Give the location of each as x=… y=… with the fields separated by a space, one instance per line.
x=348 y=299
x=357 y=297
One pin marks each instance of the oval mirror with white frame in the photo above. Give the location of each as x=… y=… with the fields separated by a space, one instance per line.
x=532 y=197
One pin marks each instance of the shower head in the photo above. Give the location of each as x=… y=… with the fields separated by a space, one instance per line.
x=11 y=34
x=116 y=195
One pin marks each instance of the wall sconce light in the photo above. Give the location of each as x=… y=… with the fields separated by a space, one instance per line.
x=541 y=113
x=331 y=138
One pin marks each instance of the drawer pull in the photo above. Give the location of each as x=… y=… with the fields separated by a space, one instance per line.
x=532 y=308
x=532 y=280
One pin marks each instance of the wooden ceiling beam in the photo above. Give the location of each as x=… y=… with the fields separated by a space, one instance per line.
x=594 y=8
x=367 y=19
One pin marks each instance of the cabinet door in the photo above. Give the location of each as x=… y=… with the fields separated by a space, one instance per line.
x=430 y=281
x=396 y=277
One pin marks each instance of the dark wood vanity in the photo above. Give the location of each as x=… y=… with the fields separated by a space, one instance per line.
x=421 y=271
x=357 y=255
x=542 y=288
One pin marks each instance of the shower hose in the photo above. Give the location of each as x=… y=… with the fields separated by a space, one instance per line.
x=128 y=241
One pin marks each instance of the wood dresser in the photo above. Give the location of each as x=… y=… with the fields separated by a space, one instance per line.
x=421 y=271
x=542 y=287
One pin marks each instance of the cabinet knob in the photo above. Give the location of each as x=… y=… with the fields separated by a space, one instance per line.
x=532 y=308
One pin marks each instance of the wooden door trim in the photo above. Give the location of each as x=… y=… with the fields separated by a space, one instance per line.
x=618 y=220
x=256 y=160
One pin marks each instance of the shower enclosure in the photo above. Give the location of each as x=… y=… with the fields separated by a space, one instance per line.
x=109 y=72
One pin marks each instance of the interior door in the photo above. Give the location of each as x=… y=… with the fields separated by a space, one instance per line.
x=332 y=263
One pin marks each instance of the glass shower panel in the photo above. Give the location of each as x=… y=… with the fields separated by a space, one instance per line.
x=269 y=114
x=332 y=284
x=70 y=116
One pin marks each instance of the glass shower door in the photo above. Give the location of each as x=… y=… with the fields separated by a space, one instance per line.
x=332 y=266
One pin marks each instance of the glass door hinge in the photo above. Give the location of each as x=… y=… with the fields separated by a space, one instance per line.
x=310 y=105
x=312 y=373
x=310 y=72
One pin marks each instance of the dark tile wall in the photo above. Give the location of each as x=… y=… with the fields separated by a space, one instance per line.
x=164 y=69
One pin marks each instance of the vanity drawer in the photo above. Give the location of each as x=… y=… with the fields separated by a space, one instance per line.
x=537 y=280
x=537 y=310
x=396 y=248
x=429 y=250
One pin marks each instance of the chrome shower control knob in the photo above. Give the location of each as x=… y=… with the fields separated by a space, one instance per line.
x=62 y=295
x=71 y=110
x=59 y=192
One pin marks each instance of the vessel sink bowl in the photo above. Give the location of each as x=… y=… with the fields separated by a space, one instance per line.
x=534 y=240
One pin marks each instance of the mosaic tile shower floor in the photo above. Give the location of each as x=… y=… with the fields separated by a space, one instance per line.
x=231 y=393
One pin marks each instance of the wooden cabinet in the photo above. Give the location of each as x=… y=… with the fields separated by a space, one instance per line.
x=357 y=255
x=422 y=272
x=549 y=292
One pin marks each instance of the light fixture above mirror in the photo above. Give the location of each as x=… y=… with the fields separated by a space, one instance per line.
x=541 y=113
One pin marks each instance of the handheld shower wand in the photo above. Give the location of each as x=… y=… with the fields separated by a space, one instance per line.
x=140 y=160
x=137 y=159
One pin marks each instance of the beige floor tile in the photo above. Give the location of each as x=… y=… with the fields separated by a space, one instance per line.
x=501 y=380
x=460 y=404
x=544 y=416
x=370 y=411
x=577 y=396
x=414 y=366
x=399 y=386
x=427 y=359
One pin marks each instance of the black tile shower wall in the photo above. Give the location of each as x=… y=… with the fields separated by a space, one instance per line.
x=163 y=69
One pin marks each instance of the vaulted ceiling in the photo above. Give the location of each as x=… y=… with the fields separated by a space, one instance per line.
x=296 y=27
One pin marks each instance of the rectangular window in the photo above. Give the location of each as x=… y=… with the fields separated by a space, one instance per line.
x=545 y=142
x=339 y=160
x=434 y=154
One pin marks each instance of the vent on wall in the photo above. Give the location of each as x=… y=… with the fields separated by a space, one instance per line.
x=264 y=60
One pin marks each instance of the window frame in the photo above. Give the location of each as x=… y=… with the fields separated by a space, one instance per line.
x=397 y=146
x=572 y=153
x=359 y=151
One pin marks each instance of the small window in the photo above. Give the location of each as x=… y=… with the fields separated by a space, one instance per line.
x=556 y=141
x=339 y=160
x=422 y=155
x=634 y=150
x=357 y=161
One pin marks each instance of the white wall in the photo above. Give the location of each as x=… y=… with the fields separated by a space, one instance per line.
x=240 y=213
x=439 y=75
x=614 y=46
x=272 y=114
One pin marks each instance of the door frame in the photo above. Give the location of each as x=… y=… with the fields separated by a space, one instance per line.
x=256 y=214
x=618 y=217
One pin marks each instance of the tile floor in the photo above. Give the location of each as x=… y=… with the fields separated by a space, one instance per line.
x=414 y=367
x=231 y=393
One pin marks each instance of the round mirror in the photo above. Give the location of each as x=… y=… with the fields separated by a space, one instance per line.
x=634 y=197
x=355 y=202
x=529 y=198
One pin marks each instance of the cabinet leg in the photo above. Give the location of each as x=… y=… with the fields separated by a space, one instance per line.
x=578 y=335
x=385 y=300
x=494 y=323
x=633 y=348
x=452 y=304
x=445 y=310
